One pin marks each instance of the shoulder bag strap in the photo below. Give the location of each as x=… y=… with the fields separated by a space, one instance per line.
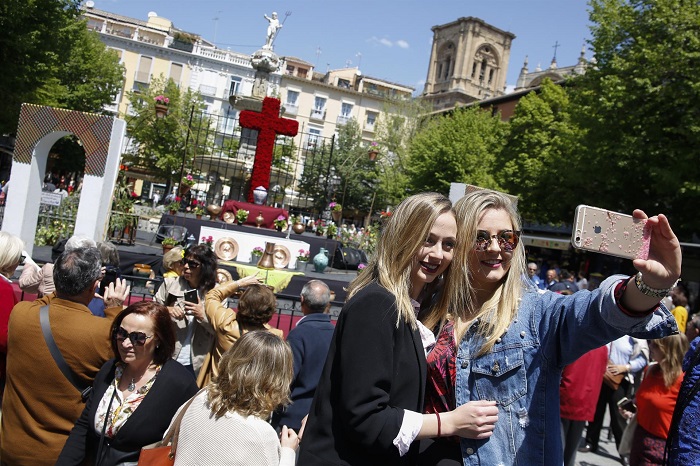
x=173 y=433
x=55 y=352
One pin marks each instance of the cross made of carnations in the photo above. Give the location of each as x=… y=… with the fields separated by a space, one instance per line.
x=269 y=125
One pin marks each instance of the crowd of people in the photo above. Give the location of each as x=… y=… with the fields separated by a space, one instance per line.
x=451 y=349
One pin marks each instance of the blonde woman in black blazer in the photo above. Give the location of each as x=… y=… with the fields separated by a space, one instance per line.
x=368 y=404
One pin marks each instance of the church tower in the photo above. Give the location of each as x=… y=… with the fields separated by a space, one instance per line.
x=468 y=62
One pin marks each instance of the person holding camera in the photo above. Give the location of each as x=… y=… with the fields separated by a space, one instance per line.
x=184 y=297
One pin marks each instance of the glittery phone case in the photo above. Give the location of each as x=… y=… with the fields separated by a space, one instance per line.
x=611 y=233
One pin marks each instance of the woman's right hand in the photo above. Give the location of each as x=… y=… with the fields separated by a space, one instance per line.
x=474 y=420
x=289 y=438
x=177 y=311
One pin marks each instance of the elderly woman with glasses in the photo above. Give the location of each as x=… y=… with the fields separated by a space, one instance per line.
x=184 y=297
x=135 y=394
x=508 y=344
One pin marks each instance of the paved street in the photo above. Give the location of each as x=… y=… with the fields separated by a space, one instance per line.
x=607 y=452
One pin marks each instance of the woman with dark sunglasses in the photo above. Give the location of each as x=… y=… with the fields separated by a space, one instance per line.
x=507 y=343
x=135 y=394
x=194 y=334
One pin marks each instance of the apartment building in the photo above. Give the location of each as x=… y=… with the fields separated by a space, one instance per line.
x=323 y=102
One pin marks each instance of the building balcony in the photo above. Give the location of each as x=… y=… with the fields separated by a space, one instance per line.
x=291 y=109
x=369 y=127
x=343 y=120
x=319 y=115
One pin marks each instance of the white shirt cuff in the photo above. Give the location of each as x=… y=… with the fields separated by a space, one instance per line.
x=410 y=427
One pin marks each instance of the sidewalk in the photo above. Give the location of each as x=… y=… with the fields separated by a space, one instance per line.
x=607 y=451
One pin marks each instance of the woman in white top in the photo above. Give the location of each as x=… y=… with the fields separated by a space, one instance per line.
x=228 y=422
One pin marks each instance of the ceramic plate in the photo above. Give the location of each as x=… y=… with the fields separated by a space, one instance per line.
x=229 y=217
x=281 y=256
x=226 y=248
x=223 y=276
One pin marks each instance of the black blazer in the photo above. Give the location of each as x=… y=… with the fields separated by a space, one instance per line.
x=373 y=372
x=173 y=387
x=309 y=341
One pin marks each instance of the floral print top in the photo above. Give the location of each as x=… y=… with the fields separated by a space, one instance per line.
x=121 y=407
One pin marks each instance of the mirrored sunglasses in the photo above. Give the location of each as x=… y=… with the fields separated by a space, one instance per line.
x=137 y=338
x=507 y=240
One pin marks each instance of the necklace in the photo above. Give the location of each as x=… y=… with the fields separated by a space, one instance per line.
x=132 y=385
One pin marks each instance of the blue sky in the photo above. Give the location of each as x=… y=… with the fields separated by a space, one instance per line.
x=388 y=39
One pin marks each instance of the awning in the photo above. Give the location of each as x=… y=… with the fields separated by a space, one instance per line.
x=546 y=242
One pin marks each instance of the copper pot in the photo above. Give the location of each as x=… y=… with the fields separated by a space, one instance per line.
x=298 y=228
x=268 y=258
x=214 y=211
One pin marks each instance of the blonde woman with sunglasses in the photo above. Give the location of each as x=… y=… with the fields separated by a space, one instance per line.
x=135 y=394
x=509 y=343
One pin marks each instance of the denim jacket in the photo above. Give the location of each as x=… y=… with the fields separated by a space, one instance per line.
x=523 y=369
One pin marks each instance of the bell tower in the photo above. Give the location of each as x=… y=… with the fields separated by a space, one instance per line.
x=468 y=62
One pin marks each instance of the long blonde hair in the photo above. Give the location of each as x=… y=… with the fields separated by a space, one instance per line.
x=403 y=234
x=495 y=315
x=673 y=348
x=254 y=376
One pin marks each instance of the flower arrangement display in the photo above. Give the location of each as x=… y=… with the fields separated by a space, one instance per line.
x=335 y=207
x=281 y=222
x=162 y=100
x=361 y=266
x=208 y=240
x=257 y=251
x=269 y=124
x=199 y=210
x=303 y=255
x=373 y=146
x=242 y=215
x=188 y=180
x=169 y=241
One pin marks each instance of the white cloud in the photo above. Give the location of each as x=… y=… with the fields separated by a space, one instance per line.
x=386 y=42
x=402 y=43
x=377 y=41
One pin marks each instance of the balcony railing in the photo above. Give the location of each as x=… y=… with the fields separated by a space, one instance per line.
x=343 y=120
x=318 y=114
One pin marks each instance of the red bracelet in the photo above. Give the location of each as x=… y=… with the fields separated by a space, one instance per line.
x=438 y=419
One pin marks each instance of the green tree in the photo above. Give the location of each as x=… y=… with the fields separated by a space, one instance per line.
x=460 y=147
x=158 y=144
x=537 y=160
x=48 y=57
x=396 y=127
x=639 y=105
x=358 y=178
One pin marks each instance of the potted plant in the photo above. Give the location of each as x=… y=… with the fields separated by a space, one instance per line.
x=331 y=230
x=174 y=206
x=373 y=150
x=256 y=254
x=241 y=216
x=302 y=259
x=186 y=183
x=208 y=240
x=361 y=267
x=298 y=226
x=336 y=211
x=168 y=243
x=198 y=212
x=161 y=105
x=281 y=223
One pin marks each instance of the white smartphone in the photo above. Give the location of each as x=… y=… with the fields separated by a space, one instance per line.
x=612 y=233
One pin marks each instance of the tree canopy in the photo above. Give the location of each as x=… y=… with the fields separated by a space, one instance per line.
x=158 y=144
x=50 y=58
x=462 y=147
